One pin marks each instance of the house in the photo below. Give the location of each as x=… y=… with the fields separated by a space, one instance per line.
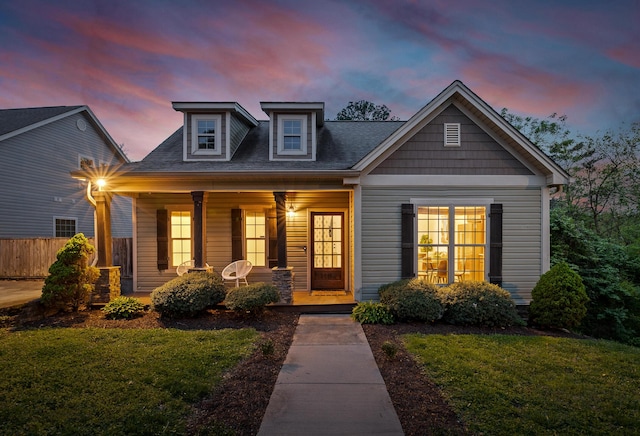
x=454 y=193
x=40 y=146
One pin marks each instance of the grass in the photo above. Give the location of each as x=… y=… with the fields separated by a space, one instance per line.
x=110 y=381
x=506 y=385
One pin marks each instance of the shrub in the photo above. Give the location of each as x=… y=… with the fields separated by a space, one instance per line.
x=123 y=308
x=188 y=295
x=478 y=303
x=390 y=349
x=369 y=312
x=412 y=300
x=252 y=298
x=559 y=299
x=71 y=279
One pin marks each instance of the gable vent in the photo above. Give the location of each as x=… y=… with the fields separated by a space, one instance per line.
x=451 y=134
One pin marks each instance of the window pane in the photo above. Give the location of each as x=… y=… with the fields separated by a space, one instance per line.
x=292 y=127
x=442 y=259
x=206 y=127
x=255 y=237
x=180 y=237
x=292 y=143
x=65 y=228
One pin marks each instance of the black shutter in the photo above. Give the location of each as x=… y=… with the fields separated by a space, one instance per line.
x=236 y=234
x=407 y=238
x=162 y=235
x=495 y=244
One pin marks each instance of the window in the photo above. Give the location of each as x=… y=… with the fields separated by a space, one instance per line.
x=255 y=237
x=452 y=243
x=180 y=231
x=292 y=138
x=205 y=134
x=451 y=134
x=85 y=162
x=64 y=227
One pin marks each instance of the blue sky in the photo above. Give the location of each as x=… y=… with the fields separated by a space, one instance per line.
x=128 y=60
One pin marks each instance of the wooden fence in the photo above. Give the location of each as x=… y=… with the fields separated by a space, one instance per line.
x=31 y=258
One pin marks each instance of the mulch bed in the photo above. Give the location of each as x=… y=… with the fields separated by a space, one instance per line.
x=240 y=401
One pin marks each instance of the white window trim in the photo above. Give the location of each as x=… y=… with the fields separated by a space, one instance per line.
x=262 y=210
x=68 y=218
x=452 y=135
x=194 y=134
x=303 y=134
x=452 y=203
x=177 y=208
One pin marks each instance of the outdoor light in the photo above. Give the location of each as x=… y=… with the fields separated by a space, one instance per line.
x=101 y=183
x=291 y=212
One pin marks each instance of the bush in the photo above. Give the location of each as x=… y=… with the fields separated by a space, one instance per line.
x=479 y=303
x=71 y=279
x=252 y=298
x=559 y=299
x=188 y=295
x=412 y=300
x=369 y=312
x=123 y=308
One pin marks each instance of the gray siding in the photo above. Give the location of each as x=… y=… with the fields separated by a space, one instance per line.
x=238 y=132
x=522 y=258
x=478 y=154
x=218 y=231
x=35 y=184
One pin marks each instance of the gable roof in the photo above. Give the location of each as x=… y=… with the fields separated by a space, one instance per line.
x=475 y=108
x=340 y=145
x=14 y=122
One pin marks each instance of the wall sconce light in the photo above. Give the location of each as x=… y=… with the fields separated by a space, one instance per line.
x=291 y=212
x=101 y=183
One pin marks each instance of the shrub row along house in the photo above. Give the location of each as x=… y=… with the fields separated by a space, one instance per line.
x=454 y=193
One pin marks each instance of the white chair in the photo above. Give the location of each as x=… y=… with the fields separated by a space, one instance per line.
x=184 y=267
x=236 y=271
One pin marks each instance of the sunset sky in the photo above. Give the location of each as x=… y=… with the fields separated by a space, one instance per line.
x=128 y=60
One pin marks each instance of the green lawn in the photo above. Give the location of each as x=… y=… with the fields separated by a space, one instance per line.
x=110 y=381
x=508 y=385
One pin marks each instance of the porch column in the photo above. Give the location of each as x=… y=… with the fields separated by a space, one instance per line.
x=107 y=287
x=198 y=229
x=103 y=227
x=282 y=275
x=281 y=220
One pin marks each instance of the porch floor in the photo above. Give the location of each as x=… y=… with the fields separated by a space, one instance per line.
x=300 y=298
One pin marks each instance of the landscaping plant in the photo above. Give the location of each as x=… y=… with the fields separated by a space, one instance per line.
x=559 y=299
x=412 y=300
x=123 y=308
x=71 y=279
x=189 y=294
x=479 y=303
x=252 y=298
x=370 y=312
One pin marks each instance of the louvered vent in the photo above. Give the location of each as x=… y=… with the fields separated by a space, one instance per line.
x=451 y=134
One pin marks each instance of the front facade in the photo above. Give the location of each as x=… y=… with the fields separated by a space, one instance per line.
x=455 y=193
x=39 y=148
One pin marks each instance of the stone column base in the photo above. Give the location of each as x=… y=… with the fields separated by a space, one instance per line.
x=282 y=279
x=108 y=285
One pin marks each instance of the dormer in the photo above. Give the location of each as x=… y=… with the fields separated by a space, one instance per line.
x=293 y=129
x=213 y=130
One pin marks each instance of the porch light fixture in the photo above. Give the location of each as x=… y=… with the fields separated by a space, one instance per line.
x=101 y=183
x=291 y=212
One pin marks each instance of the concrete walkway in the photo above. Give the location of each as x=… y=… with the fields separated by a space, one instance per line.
x=16 y=292
x=329 y=384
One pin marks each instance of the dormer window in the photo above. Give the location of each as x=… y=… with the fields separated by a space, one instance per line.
x=205 y=138
x=292 y=134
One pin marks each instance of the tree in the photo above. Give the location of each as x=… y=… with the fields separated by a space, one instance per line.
x=364 y=110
